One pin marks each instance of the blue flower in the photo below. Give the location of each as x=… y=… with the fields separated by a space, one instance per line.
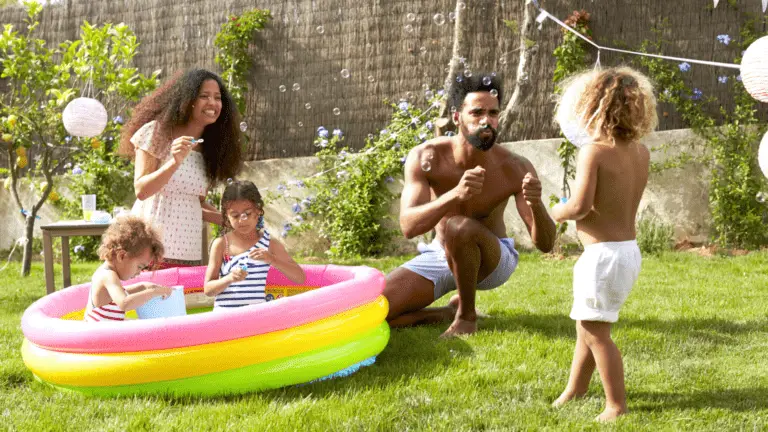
x=118 y=120
x=393 y=136
x=343 y=154
x=284 y=234
x=389 y=179
x=287 y=226
x=334 y=191
x=722 y=79
x=341 y=174
x=724 y=39
x=299 y=219
x=440 y=92
x=306 y=202
x=338 y=133
x=296 y=208
x=321 y=128
x=79 y=248
x=428 y=124
x=403 y=105
x=383 y=132
x=696 y=94
x=323 y=143
x=281 y=188
x=738 y=77
x=423 y=136
x=67 y=139
x=77 y=170
x=684 y=67
x=322 y=133
x=402 y=160
x=300 y=183
x=415 y=120
x=396 y=146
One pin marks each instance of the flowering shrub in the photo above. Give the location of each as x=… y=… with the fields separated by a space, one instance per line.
x=347 y=202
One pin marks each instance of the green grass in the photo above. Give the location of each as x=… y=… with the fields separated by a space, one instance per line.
x=693 y=334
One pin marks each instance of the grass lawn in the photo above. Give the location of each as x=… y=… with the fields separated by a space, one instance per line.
x=693 y=333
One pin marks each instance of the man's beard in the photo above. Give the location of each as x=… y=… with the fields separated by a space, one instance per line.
x=479 y=142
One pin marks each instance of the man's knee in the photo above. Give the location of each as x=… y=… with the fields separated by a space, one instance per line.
x=459 y=231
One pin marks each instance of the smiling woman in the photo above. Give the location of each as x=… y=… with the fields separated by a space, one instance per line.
x=184 y=138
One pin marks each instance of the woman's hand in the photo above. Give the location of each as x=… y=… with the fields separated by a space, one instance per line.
x=180 y=148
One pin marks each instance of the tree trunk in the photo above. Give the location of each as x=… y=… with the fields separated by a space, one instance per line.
x=29 y=226
x=522 y=90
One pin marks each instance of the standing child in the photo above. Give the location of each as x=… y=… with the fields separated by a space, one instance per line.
x=616 y=109
x=240 y=259
x=127 y=248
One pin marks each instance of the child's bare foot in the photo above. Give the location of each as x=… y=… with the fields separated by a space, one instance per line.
x=610 y=414
x=460 y=327
x=566 y=397
x=454 y=304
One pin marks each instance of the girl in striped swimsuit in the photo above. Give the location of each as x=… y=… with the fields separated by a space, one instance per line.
x=127 y=248
x=240 y=259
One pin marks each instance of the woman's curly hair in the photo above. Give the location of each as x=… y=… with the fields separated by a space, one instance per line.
x=132 y=235
x=611 y=104
x=171 y=105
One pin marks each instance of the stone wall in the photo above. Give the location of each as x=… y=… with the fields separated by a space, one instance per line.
x=675 y=196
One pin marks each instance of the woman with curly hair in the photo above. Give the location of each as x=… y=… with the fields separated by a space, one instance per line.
x=185 y=139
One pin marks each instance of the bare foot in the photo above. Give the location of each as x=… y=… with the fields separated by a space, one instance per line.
x=610 y=414
x=460 y=327
x=566 y=397
x=454 y=304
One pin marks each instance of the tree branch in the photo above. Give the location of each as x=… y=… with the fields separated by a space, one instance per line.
x=522 y=90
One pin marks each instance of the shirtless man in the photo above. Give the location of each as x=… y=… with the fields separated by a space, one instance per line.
x=460 y=186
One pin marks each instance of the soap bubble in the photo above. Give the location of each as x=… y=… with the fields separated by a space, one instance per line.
x=296 y=87
x=423 y=50
x=425 y=165
x=243 y=126
x=452 y=16
x=411 y=17
x=503 y=60
x=409 y=28
x=494 y=93
x=282 y=88
x=439 y=19
x=308 y=105
x=467 y=73
x=336 y=111
x=461 y=5
x=320 y=29
x=371 y=78
x=761 y=197
x=486 y=80
x=345 y=73
x=301 y=124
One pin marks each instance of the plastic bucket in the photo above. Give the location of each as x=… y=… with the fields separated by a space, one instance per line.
x=173 y=306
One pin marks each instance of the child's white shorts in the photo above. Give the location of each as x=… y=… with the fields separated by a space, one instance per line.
x=602 y=279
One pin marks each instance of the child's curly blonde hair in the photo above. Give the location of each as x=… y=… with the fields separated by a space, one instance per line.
x=610 y=104
x=132 y=235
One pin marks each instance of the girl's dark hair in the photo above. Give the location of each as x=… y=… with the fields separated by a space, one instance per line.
x=171 y=105
x=236 y=191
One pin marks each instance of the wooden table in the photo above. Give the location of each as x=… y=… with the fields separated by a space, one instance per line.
x=67 y=229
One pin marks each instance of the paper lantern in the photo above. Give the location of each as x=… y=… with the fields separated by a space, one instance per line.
x=754 y=69
x=762 y=155
x=84 y=117
x=567 y=116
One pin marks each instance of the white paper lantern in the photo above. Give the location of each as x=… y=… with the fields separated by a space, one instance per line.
x=567 y=116
x=762 y=155
x=84 y=117
x=754 y=69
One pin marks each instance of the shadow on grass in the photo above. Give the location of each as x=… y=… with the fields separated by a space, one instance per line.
x=744 y=399
x=714 y=330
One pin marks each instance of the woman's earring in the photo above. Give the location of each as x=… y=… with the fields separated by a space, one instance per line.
x=260 y=223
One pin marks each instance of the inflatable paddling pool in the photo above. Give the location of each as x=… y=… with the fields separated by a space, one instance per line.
x=334 y=326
